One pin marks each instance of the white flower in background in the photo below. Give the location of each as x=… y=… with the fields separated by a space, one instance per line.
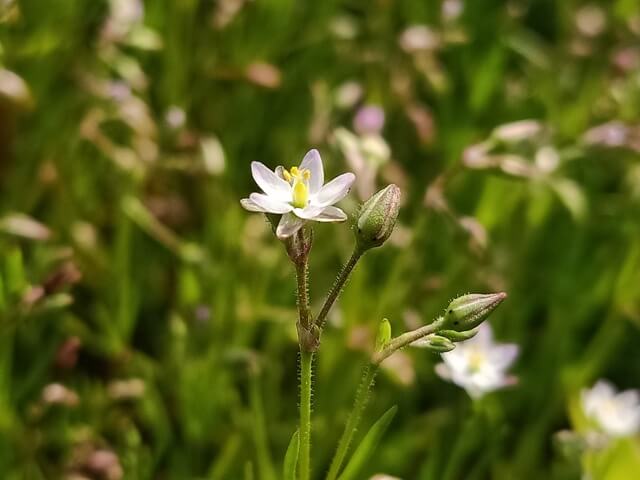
x=365 y=154
x=348 y=94
x=616 y=414
x=479 y=365
x=452 y=9
x=519 y=131
x=298 y=194
x=419 y=38
x=125 y=15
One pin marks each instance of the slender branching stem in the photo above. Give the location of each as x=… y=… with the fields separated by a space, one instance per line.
x=307 y=346
x=338 y=285
x=359 y=404
x=304 y=455
x=405 y=339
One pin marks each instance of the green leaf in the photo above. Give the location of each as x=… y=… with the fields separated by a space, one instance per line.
x=368 y=445
x=291 y=457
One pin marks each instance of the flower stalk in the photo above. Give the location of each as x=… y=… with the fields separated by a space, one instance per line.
x=304 y=455
x=401 y=341
x=292 y=199
x=337 y=287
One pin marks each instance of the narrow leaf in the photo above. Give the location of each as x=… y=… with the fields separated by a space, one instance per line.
x=368 y=445
x=291 y=457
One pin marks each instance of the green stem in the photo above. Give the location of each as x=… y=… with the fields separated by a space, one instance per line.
x=360 y=403
x=405 y=339
x=304 y=458
x=302 y=272
x=337 y=287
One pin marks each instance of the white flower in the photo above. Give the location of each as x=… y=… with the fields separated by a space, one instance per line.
x=299 y=194
x=616 y=414
x=479 y=365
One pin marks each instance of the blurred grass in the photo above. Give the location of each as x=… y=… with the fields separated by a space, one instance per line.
x=127 y=139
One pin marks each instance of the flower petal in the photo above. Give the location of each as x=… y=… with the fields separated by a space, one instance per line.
x=484 y=338
x=313 y=163
x=308 y=213
x=331 y=214
x=629 y=399
x=456 y=360
x=279 y=171
x=442 y=370
x=269 y=204
x=289 y=224
x=270 y=183
x=335 y=190
x=250 y=205
x=502 y=355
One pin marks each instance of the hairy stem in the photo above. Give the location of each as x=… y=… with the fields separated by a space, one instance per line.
x=337 y=287
x=405 y=339
x=302 y=273
x=359 y=404
x=304 y=456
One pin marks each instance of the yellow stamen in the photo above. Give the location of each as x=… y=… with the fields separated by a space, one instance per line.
x=476 y=360
x=306 y=174
x=300 y=195
x=286 y=175
x=294 y=171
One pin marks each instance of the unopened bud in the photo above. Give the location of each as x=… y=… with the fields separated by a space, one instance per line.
x=435 y=343
x=384 y=334
x=468 y=311
x=377 y=218
x=455 y=336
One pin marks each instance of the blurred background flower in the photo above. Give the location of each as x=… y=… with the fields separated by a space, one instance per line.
x=479 y=365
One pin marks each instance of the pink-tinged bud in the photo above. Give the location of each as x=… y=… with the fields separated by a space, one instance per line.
x=468 y=311
x=369 y=120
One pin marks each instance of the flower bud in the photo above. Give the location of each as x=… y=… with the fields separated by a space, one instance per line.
x=435 y=343
x=384 y=334
x=458 y=336
x=468 y=311
x=377 y=218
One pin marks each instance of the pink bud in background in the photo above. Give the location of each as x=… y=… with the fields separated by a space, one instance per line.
x=369 y=120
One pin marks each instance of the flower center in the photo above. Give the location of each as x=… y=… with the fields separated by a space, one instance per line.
x=299 y=178
x=476 y=360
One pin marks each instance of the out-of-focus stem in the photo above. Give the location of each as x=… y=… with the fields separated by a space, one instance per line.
x=359 y=404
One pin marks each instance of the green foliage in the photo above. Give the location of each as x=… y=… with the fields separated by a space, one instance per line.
x=367 y=446
x=291 y=458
